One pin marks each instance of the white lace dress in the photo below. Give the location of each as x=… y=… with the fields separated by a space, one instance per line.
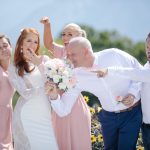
x=32 y=125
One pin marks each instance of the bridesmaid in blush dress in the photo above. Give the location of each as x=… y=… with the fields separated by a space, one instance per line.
x=73 y=131
x=6 y=94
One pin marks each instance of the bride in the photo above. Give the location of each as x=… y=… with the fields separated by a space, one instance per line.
x=32 y=125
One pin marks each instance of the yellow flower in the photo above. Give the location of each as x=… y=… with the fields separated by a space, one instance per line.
x=86 y=98
x=92 y=110
x=100 y=138
x=99 y=109
x=140 y=148
x=93 y=138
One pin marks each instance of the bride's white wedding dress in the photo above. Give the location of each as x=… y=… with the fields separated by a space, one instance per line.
x=32 y=125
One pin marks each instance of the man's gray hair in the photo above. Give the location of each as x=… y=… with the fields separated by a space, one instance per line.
x=81 y=41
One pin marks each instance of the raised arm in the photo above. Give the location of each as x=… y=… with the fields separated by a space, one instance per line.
x=48 y=38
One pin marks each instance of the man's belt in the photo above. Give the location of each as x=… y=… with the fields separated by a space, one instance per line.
x=130 y=108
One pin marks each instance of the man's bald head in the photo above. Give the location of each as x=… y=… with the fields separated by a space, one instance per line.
x=79 y=51
x=81 y=42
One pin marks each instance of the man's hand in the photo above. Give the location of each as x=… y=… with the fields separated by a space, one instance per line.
x=101 y=72
x=128 y=100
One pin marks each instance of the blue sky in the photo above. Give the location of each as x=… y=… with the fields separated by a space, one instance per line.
x=129 y=17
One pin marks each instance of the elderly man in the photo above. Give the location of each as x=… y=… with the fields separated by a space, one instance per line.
x=118 y=120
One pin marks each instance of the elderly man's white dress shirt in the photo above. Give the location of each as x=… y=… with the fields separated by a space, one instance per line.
x=106 y=89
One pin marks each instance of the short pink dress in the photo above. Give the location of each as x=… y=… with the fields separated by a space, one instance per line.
x=6 y=94
x=73 y=132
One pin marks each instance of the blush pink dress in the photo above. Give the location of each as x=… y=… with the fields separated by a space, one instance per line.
x=73 y=132
x=6 y=94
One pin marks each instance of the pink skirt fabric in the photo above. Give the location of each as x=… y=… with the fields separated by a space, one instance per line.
x=73 y=132
x=5 y=128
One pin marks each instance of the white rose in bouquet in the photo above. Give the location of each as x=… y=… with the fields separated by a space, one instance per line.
x=61 y=73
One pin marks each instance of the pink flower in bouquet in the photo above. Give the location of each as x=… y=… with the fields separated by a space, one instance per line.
x=119 y=99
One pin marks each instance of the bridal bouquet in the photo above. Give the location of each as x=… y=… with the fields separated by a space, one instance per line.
x=61 y=73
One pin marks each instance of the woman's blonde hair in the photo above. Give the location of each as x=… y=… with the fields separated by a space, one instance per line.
x=77 y=28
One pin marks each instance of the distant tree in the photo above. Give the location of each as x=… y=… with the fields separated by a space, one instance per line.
x=139 y=52
x=108 y=39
